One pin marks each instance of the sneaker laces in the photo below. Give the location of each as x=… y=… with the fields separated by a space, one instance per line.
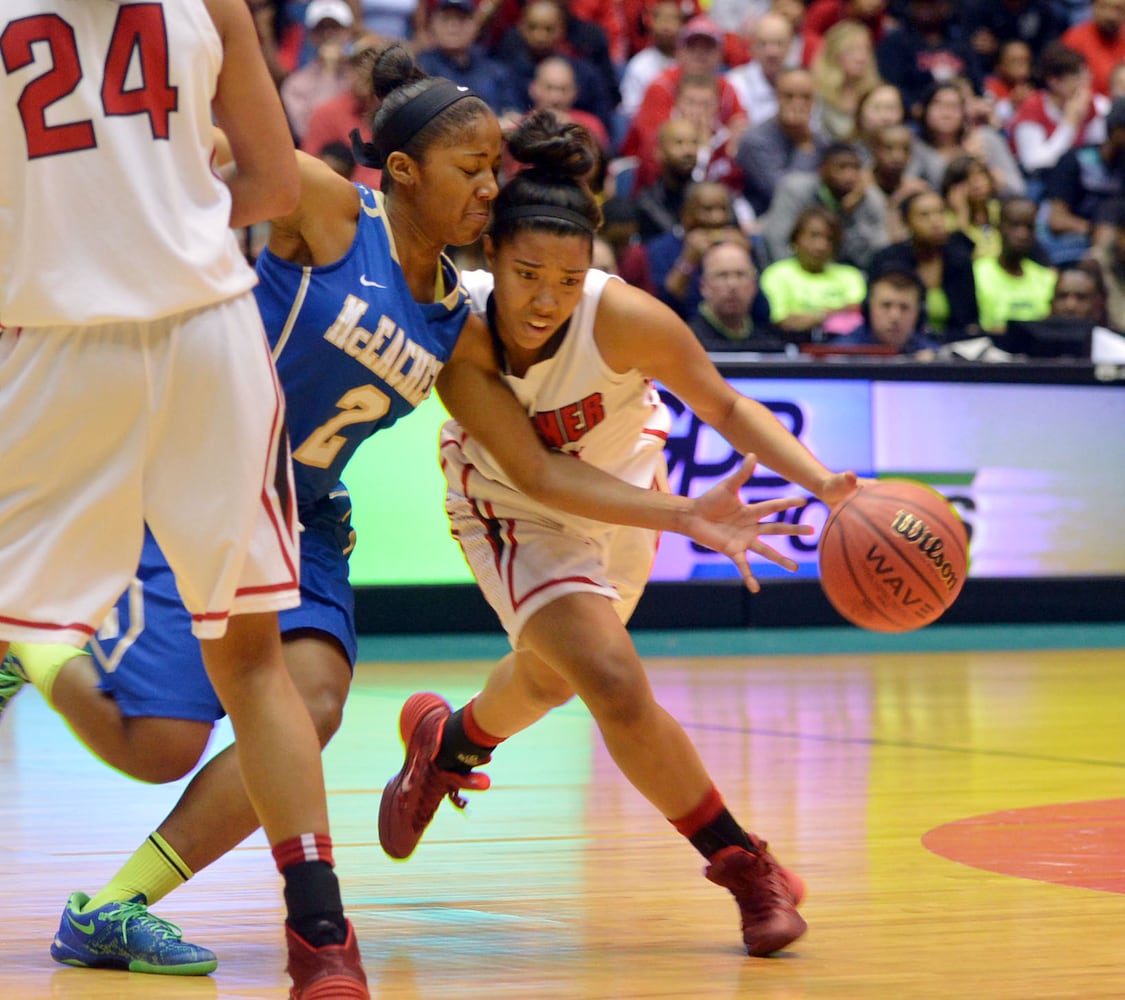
x=436 y=785
x=11 y=680
x=764 y=875
x=136 y=910
x=771 y=870
x=11 y=667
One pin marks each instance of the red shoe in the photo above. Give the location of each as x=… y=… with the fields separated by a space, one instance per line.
x=767 y=896
x=412 y=796
x=330 y=972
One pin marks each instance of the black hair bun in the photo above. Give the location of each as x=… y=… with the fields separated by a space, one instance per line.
x=393 y=67
x=544 y=143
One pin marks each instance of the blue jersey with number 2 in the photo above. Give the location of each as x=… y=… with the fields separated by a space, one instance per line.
x=354 y=350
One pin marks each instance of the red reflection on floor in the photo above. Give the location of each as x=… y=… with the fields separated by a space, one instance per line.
x=1073 y=843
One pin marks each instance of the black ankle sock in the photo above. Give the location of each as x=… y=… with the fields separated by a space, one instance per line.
x=722 y=831
x=320 y=929
x=312 y=901
x=457 y=752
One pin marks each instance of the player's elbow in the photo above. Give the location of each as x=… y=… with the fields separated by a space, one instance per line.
x=285 y=192
x=261 y=199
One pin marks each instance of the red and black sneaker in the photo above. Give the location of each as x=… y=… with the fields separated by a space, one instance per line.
x=330 y=972
x=767 y=896
x=412 y=796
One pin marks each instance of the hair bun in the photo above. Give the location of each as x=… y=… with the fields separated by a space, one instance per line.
x=393 y=67
x=542 y=142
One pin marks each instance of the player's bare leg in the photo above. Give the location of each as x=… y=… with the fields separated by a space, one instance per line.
x=279 y=758
x=578 y=644
x=520 y=690
x=279 y=752
x=214 y=813
x=581 y=636
x=584 y=641
x=149 y=749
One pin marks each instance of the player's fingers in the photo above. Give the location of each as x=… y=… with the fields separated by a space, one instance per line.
x=745 y=572
x=784 y=528
x=739 y=477
x=763 y=508
x=774 y=556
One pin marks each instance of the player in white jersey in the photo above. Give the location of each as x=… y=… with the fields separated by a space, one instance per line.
x=582 y=407
x=581 y=350
x=136 y=384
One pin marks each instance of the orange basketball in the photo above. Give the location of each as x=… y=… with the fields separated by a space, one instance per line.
x=893 y=556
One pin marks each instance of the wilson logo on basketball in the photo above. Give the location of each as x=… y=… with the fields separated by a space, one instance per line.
x=917 y=532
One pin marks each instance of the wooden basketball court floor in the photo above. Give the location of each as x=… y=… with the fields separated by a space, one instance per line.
x=954 y=800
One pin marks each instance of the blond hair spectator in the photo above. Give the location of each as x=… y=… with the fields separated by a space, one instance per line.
x=844 y=72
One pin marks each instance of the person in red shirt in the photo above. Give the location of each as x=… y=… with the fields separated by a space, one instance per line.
x=698 y=53
x=607 y=16
x=1101 y=40
x=332 y=121
x=1061 y=115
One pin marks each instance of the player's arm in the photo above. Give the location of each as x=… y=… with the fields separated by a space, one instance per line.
x=476 y=396
x=322 y=226
x=262 y=175
x=634 y=330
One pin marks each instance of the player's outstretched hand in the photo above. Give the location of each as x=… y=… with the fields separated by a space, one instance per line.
x=721 y=521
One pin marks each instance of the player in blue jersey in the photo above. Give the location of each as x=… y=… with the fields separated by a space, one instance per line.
x=363 y=313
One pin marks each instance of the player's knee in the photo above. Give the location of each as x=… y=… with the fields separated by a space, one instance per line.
x=161 y=772
x=616 y=691
x=548 y=690
x=158 y=751
x=326 y=707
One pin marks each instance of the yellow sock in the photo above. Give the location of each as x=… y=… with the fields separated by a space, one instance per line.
x=40 y=663
x=154 y=870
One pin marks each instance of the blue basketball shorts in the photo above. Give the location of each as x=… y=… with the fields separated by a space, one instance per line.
x=147 y=656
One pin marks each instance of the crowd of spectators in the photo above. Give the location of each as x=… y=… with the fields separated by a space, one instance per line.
x=790 y=175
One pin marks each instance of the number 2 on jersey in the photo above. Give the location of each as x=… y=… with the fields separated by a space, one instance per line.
x=362 y=405
x=139 y=36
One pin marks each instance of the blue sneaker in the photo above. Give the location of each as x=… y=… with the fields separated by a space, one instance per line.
x=12 y=680
x=126 y=936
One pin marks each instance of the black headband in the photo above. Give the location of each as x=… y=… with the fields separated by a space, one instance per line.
x=404 y=122
x=550 y=212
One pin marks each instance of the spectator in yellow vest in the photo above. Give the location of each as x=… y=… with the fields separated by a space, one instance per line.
x=1012 y=285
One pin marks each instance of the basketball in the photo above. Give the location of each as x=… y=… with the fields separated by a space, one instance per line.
x=893 y=556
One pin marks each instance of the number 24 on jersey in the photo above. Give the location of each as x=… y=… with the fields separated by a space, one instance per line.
x=139 y=41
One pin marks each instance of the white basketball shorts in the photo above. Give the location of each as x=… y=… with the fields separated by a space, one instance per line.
x=177 y=422
x=523 y=562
